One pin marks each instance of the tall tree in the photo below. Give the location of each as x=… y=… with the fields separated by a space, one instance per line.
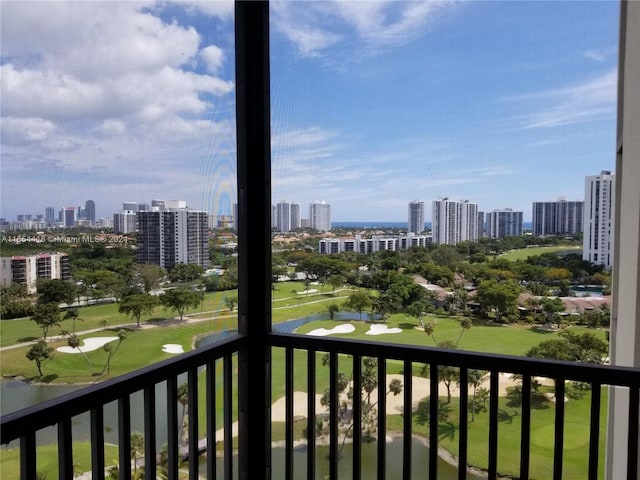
x=148 y=275
x=74 y=315
x=417 y=310
x=55 y=291
x=74 y=342
x=179 y=299
x=46 y=315
x=122 y=335
x=231 y=301
x=359 y=301
x=465 y=324
x=137 y=305
x=553 y=307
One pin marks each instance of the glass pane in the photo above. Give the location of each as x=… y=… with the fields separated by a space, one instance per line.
x=439 y=135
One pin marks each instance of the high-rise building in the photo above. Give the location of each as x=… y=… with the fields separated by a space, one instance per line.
x=50 y=215
x=90 y=211
x=283 y=216
x=561 y=217
x=125 y=222
x=320 y=216
x=295 y=216
x=599 y=195
x=157 y=205
x=416 y=217
x=69 y=216
x=173 y=236
x=504 y=223
x=482 y=231
x=130 y=206
x=454 y=222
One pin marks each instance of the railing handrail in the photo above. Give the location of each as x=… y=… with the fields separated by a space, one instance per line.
x=50 y=412
x=535 y=367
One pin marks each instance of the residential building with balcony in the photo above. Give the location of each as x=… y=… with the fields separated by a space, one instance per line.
x=561 y=217
x=28 y=269
x=504 y=223
x=172 y=236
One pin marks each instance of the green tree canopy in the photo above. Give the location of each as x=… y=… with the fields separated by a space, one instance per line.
x=185 y=272
x=501 y=296
x=137 y=305
x=39 y=352
x=55 y=290
x=179 y=299
x=359 y=301
x=46 y=315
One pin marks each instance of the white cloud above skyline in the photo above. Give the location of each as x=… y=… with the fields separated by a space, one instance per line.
x=374 y=103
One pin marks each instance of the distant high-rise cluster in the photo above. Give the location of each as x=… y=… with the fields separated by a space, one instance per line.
x=286 y=216
x=599 y=204
x=454 y=221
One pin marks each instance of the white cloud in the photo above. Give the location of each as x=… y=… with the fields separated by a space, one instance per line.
x=213 y=57
x=25 y=130
x=600 y=55
x=367 y=27
x=91 y=92
x=111 y=127
x=587 y=101
x=214 y=8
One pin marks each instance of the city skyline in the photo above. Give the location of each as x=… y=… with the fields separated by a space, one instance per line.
x=504 y=103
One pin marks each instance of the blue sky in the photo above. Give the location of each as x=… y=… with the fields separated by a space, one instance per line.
x=374 y=104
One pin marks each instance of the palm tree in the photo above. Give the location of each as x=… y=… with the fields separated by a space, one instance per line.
x=122 y=335
x=72 y=313
x=137 y=449
x=465 y=324
x=416 y=310
x=74 y=342
x=429 y=329
x=183 y=398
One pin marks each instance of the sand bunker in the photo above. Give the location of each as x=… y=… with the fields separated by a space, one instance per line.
x=343 y=328
x=172 y=348
x=304 y=292
x=90 y=344
x=379 y=329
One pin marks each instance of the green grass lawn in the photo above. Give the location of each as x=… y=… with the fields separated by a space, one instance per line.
x=47 y=459
x=524 y=253
x=481 y=337
x=576 y=435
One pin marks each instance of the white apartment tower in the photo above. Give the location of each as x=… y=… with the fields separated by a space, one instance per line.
x=599 y=195
x=416 y=216
x=283 y=216
x=320 y=216
x=295 y=216
x=454 y=222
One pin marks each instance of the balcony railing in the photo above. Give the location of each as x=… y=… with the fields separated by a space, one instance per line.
x=199 y=368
